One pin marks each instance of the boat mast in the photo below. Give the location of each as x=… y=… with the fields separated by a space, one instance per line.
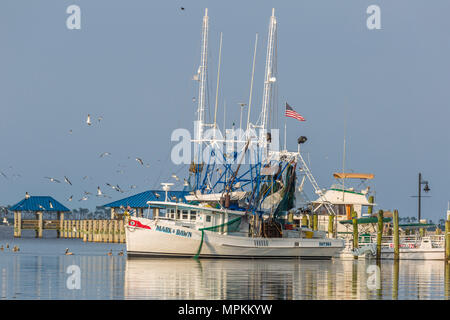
x=268 y=77
x=202 y=84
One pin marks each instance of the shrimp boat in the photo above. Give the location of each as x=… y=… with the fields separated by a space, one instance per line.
x=240 y=184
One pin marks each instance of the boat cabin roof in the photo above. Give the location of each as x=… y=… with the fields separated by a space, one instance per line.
x=164 y=204
x=340 y=197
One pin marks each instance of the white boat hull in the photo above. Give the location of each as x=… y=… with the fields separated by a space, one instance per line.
x=159 y=238
x=415 y=254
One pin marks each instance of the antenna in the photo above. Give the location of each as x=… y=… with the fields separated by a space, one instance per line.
x=166 y=188
x=343 y=155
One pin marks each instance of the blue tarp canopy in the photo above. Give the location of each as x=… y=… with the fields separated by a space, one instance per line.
x=39 y=203
x=140 y=200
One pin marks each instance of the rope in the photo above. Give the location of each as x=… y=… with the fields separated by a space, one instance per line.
x=212 y=228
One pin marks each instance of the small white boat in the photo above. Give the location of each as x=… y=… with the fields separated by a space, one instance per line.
x=410 y=248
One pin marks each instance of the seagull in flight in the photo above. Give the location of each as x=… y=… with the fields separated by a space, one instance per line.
x=105 y=154
x=99 y=192
x=52 y=179
x=140 y=161
x=133 y=187
x=88 y=120
x=175 y=177
x=70 y=199
x=4 y=175
x=83 y=199
x=87 y=193
x=67 y=180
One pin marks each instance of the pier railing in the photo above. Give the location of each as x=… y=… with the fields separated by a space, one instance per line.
x=409 y=241
x=112 y=231
x=93 y=230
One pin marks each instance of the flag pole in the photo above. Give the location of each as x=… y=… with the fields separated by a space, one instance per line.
x=285 y=131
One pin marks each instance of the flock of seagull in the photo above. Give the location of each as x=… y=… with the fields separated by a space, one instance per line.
x=100 y=193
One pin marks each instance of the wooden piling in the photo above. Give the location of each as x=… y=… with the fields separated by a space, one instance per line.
x=65 y=228
x=304 y=220
x=116 y=231
x=330 y=226
x=447 y=281
x=110 y=231
x=447 y=240
x=69 y=228
x=61 y=224
x=84 y=230
x=370 y=208
x=395 y=280
x=396 y=236
x=379 y=233
x=90 y=230
x=122 y=231
x=355 y=232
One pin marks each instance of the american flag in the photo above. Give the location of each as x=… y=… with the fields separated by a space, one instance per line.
x=292 y=113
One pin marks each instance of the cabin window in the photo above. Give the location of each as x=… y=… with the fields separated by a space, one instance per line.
x=178 y=214
x=193 y=215
x=208 y=218
x=185 y=215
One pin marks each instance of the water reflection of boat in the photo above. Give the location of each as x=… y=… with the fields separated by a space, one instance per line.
x=212 y=279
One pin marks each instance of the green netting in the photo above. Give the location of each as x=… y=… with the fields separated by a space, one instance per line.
x=232 y=225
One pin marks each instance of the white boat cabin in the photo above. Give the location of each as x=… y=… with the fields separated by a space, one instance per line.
x=194 y=216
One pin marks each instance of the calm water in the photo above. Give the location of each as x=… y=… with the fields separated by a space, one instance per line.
x=38 y=271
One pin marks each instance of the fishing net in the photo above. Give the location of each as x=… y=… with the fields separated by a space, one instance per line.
x=231 y=226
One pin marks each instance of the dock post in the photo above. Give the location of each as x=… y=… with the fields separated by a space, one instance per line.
x=447 y=281
x=17 y=224
x=105 y=231
x=304 y=220
x=95 y=229
x=395 y=281
x=379 y=233
x=61 y=224
x=315 y=222
x=396 y=236
x=447 y=240
x=83 y=230
x=110 y=230
x=330 y=226
x=355 y=232
x=122 y=231
x=58 y=217
x=370 y=208
x=116 y=231
x=90 y=230
x=40 y=224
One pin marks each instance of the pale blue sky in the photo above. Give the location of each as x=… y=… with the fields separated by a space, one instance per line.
x=132 y=62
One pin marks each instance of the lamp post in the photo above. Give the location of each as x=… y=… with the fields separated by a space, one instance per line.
x=426 y=189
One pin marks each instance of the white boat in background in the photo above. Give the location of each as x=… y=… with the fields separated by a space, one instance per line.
x=234 y=208
x=411 y=247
